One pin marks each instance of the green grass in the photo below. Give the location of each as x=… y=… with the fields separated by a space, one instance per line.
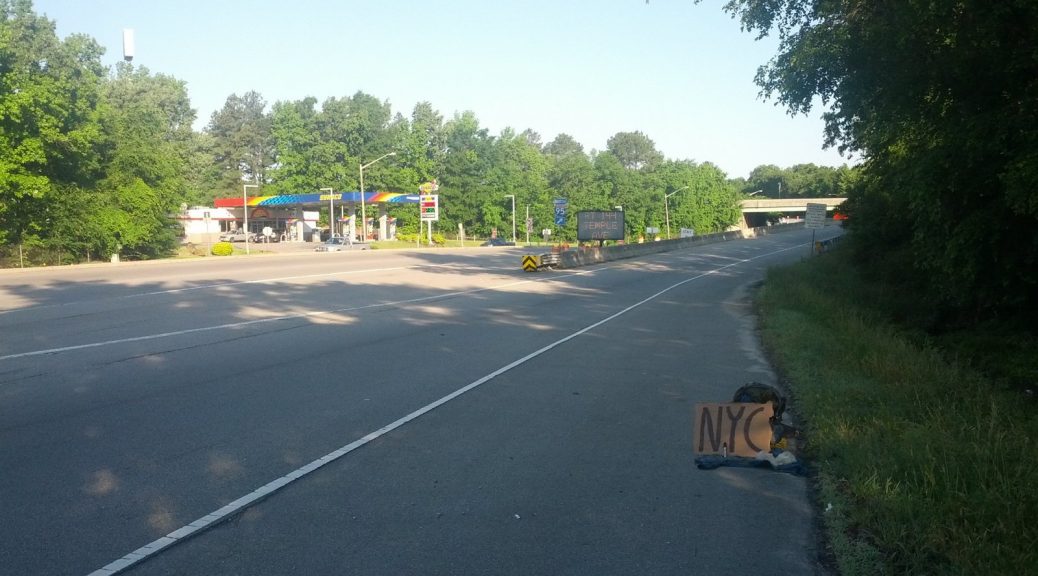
x=929 y=464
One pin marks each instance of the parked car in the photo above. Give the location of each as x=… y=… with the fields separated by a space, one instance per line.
x=237 y=236
x=333 y=244
x=497 y=242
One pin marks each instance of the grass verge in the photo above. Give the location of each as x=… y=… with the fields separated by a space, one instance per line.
x=923 y=465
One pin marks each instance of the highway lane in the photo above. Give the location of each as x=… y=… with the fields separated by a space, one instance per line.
x=133 y=404
x=232 y=292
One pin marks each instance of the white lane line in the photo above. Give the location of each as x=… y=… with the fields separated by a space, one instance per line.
x=310 y=314
x=272 y=487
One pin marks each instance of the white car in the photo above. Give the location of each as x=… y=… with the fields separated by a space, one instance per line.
x=338 y=244
x=237 y=236
x=333 y=244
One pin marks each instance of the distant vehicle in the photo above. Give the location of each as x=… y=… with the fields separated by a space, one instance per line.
x=333 y=244
x=497 y=242
x=237 y=236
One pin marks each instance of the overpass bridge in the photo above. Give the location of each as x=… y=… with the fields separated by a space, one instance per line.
x=755 y=209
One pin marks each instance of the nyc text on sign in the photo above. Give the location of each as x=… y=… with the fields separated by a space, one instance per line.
x=733 y=429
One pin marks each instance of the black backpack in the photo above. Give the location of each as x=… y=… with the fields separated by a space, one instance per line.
x=757 y=393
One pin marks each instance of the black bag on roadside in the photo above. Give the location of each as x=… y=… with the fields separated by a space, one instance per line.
x=757 y=393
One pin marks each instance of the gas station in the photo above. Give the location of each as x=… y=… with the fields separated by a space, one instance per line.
x=293 y=217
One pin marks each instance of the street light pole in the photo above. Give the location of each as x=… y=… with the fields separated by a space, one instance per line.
x=245 y=211
x=666 y=207
x=528 y=225
x=331 y=211
x=363 y=212
x=512 y=196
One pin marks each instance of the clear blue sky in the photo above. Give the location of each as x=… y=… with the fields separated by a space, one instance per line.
x=679 y=72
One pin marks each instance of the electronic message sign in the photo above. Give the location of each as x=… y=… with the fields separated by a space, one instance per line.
x=600 y=225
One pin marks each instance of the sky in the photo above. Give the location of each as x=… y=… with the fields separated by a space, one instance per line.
x=679 y=72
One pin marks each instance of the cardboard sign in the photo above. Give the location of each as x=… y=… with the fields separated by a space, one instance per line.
x=732 y=429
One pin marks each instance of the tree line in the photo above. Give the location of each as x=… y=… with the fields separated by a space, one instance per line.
x=95 y=160
x=940 y=99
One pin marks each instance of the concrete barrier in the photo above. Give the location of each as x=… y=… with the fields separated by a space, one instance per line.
x=576 y=257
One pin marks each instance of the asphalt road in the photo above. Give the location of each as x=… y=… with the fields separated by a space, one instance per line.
x=473 y=418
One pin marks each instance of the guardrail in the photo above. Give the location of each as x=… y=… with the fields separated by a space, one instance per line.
x=550 y=260
x=827 y=245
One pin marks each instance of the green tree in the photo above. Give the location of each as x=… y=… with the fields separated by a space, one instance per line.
x=799 y=181
x=711 y=203
x=634 y=150
x=352 y=131
x=463 y=192
x=625 y=172
x=516 y=168
x=50 y=131
x=242 y=141
x=563 y=145
x=421 y=147
x=768 y=180
x=619 y=188
x=202 y=179
x=148 y=125
x=939 y=97
x=426 y=147
x=702 y=198
x=295 y=140
x=571 y=175
x=366 y=127
x=401 y=173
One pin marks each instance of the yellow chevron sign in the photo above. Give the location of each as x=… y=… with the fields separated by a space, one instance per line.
x=530 y=263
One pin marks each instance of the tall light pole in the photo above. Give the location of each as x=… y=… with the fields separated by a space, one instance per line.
x=528 y=225
x=666 y=206
x=512 y=196
x=331 y=211
x=363 y=212
x=245 y=211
